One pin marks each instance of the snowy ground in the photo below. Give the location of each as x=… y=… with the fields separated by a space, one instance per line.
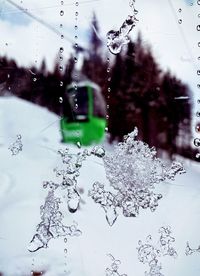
x=22 y=194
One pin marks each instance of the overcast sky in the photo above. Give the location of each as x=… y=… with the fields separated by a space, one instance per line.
x=175 y=46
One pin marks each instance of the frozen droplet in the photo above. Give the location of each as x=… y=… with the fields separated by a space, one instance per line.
x=61 y=13
x=61 y=49
x=197 y=142
x=198 y=27
x=60 y=100
x=180 y=21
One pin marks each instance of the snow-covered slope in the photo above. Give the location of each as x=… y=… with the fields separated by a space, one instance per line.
x=22 y=194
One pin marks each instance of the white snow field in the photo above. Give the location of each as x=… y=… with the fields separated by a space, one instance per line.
x=22 y=194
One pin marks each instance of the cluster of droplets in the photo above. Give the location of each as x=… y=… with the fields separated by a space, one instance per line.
x=17 y=146
x=114 y=267
x=51 y=225
x=149 y=252
x=132 y=170
x=197 y=127
x=108 y=92
x=116 y=39
x=190 y=251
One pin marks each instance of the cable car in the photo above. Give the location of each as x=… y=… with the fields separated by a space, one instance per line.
x=84 y=114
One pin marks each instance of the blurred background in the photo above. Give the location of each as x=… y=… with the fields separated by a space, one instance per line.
x=152 y=84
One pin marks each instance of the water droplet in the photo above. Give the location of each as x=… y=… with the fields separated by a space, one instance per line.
x=199 y=15
x=77 y=3
x=62 y=36
x=76 y=106
x=61 y=58
x=109 y=79
x=179 y=10
x=76 y=27
x=61 y=68
x=65 y=250
x=198 y=44
x=61 y=13
x=78 y=145
x=62 y=2
x=61 y=83
x=108 y=70
x=75 y=59
x=198 y=2
x=60 y=100
x=198 y=101
x=198 y=155
x=198 y=27
x=106 y=129
x=197 y=128
x=76 y=13
x=180 y=21
x=65 y=240
x=107 y=117
x=61 y=25
x=76 y=37
x=107 y=106
x=109 y=89
x=198 y=72
x=76 y=45
x=197 y=142
x=108 y=59
x=34 y=79
x=198 y=58
x=198 y=113
x=61 y=49
x=198 y=85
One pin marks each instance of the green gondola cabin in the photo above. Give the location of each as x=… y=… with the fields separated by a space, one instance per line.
x=84 y=112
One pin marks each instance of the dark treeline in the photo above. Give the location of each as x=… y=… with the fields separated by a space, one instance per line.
x=136 y=90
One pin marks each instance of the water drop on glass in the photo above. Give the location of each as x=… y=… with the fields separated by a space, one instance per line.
x=197 y=142
x=61 y=13
x=198 y=155
x=198 y=113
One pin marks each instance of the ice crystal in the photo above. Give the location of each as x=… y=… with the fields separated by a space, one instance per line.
x=132 y=170
x=17 y=146
x=113 y=270
x=190 y=251
x=51 y=225
x=149 y=252
x=116 y=39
